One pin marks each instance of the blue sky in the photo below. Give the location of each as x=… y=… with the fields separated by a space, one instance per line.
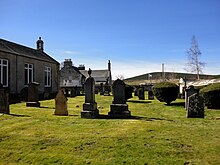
x=136 y=35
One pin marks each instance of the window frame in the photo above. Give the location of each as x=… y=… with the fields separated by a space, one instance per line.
x=2 y=66
x=47 y=76
x=30 y=70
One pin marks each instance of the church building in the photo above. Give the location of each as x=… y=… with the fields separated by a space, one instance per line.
x=21 y=65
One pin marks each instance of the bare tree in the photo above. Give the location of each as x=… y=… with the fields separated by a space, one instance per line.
x=194 y=65
x=120 y=76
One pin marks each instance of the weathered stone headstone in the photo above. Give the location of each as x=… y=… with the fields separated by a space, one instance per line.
x=141 y=94
x=33 y=95
x=90 y=106
x=4 y=101
x=188 y=92
x=150 y=95
x=119 y=108
x=61 y=104
x=195 y=107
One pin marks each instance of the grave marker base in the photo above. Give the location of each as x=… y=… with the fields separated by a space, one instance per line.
x=119 y=111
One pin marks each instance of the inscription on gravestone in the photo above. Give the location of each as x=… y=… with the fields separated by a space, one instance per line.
x=188 y=92
x=195 y=107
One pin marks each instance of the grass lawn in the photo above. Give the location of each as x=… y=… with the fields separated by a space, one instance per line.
x=157 y=134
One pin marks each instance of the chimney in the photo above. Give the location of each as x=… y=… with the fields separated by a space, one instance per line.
x=81 y=67
x=109 y=65
x=68 y=63
x=40 y=44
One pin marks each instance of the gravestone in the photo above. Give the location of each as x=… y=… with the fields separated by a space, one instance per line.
x=73 y=92
x=150 y=95
x=188 y=92
x=4 y=101
x=119 y=108
x=107 y=90
x=136 y=91
x=128 y=92
x=101 y=89
x=141 y=94
x=61 y=104
x=195 y=107
x=90 y=106
x=33 y=95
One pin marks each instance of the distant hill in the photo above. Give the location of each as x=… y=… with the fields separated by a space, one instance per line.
x=170 y=75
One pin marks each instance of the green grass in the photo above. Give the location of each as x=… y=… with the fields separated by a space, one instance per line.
x=157 y=134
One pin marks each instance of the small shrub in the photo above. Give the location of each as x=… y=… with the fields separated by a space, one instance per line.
x=211 y=95
x=166 y=92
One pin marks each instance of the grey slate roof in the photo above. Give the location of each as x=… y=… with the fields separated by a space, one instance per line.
x=21 y=50
x=98 y=75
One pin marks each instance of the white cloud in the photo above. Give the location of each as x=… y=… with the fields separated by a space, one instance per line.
x=70 y=52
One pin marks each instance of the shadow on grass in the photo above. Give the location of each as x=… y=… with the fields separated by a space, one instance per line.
x=179 y=104
x=138 y=101
x=134 y=118
x=47 y=107
x=16 y=115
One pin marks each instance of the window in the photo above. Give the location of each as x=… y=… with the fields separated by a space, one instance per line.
x=47 y=77
x=4 y=72
x=28 y=73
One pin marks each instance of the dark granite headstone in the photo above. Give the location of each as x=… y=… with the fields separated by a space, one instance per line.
x=141 y=94
x=61 y=104
x=107 y=90
x=188 y=92
x=4 y=101
x=128 y=92
x=136 y=92
x=73 y=92
x=195 y=107
x=101 y=89
x=90 y=106
x=150 y=95
x=33 y=95
x=119 y=108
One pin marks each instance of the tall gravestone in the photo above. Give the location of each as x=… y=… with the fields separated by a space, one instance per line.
x=90 y=106
x=33 y=95
x=195 y=107
x=61 y=104
x=141 y=94
x=188 y=92
x=4 y=101
x=119 y=108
